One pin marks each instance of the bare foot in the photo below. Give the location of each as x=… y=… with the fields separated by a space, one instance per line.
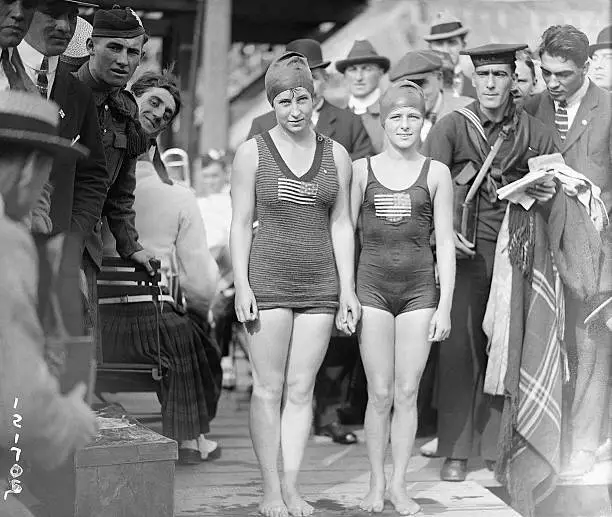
x=296 y=504
x=273 y=506
x=374 y=501
x=403 y=504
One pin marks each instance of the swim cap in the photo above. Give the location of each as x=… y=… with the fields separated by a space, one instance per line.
x=401 y=94
x=287 y=72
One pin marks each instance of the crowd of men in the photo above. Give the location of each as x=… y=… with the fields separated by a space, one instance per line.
x=70 y=140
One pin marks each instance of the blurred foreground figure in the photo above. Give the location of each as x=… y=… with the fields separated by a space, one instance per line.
x=52 y=426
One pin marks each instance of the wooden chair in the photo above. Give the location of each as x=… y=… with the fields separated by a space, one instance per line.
x=118 y=281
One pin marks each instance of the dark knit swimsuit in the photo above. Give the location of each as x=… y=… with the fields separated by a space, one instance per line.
x=292 y=261
x=396 y=265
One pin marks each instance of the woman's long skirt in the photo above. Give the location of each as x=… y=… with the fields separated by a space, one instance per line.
x=191 y=386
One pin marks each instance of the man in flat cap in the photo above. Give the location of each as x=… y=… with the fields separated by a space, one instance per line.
x=462 y=140
x=447 y=34
x=78 y=186
x=426 y=68
x=363 y=70
x=115 y=49
x=338 y=124
x=57 y=424
x=579 y=115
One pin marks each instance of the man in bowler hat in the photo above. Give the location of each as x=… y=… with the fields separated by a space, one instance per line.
x=601 y=59
x=363 y=70
x=338 y=124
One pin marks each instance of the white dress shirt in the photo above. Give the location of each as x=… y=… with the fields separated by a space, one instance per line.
x=32 y=59
x=360 y=105
x=573 y=102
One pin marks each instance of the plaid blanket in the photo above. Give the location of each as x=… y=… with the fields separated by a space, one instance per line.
x=531 y=421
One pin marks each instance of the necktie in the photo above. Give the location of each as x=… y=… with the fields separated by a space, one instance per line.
x=42 y=81
x=15 y=81
x=561 y=119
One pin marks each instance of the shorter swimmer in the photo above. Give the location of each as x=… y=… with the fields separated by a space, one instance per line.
x=401 y=197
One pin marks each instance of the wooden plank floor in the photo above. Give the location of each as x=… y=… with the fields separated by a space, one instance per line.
x=334 y=477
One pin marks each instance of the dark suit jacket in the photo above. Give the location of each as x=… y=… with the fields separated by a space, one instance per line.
x=338 y=124
x=587 y=146
x=79 y=187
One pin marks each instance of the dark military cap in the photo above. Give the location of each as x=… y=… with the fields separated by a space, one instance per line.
x=117 y=23
x=494 y=54
x=417 y=64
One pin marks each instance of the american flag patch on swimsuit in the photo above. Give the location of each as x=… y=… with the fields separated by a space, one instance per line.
x=393 y=207
x=299 y=192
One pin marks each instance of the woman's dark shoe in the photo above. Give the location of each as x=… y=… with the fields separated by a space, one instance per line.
x=453 y=470
x=189 y=457
x=338 y=433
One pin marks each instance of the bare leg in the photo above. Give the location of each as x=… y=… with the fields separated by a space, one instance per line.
x=309 y=342
x=411 y=352
x=376 y=343
x=268 y=340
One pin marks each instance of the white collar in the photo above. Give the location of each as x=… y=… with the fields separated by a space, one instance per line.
x=360 y=105
x=32 y=58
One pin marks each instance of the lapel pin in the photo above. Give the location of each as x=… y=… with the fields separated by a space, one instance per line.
x=584 y=122
x=61 y=113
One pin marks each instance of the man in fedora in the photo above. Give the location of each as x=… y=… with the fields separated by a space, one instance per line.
x=426 y=68
x=601 y=59
x=338 y=124
x=57 y=424
x=363 y=70
x=579 y=113
x=447 y=34
x=78 y=186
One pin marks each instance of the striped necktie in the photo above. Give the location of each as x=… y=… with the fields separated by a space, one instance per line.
x=42 y=81
x=561 y=119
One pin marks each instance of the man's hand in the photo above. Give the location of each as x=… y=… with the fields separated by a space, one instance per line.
x=143 y=257
x=542 y=192
x=463 y=248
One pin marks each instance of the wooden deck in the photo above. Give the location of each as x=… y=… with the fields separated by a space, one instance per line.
x=335 y=477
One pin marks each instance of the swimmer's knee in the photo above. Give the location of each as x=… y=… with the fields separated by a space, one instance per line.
x=381 y=397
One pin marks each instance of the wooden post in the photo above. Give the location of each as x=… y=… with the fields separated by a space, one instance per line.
x=213 y=105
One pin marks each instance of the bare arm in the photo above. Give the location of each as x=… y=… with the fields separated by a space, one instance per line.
x=241 y=231
x=343 y=241
x=358 y=184
x=441 y=187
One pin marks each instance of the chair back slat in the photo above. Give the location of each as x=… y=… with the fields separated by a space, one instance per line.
x=113 y=290
x=128 y=276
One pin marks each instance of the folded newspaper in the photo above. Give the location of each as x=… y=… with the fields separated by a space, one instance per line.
x=541 y=170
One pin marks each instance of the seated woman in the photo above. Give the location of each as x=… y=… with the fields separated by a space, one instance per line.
x=401 y=196
x=169 y=224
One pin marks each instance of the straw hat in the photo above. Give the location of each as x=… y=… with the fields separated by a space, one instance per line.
x=26 y=118
x=76 y=52
x=445 y=26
